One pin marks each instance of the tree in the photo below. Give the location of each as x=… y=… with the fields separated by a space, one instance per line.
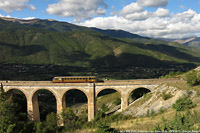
x=7 y=113
x=183 y=103
x=51 y=122
x=48 y=126
x=70 y=119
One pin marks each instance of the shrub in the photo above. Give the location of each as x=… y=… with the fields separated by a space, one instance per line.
x=172 y=74
x=104 y=128
x=161 y=110
x=197 y=93
x=193 y=78
x=150 y=113
x=117 y=101
x=183 y=103
x=48 y=126
x=70 y=119
x=166 y=96
x=180 y=122
x=104 y=108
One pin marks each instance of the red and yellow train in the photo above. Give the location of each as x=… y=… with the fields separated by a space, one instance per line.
x=74 y=79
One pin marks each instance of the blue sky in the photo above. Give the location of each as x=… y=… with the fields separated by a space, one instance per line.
x=153 y=18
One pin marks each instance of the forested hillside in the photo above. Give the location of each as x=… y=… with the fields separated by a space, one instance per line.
x=49 y=42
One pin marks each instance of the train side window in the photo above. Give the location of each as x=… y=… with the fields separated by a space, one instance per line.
x=59 y=79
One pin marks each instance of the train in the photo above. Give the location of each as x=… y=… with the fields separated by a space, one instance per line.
x=75 y=79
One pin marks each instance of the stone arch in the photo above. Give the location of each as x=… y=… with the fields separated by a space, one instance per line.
x=36 y=90
x=105 y=88
x=22 y=102
x=35 y=104
x=86 y=94
x=65 y=92
x=137 y=89
x=10 y=89
x=116 y=90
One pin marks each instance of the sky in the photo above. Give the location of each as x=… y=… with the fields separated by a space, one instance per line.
x=152 y=18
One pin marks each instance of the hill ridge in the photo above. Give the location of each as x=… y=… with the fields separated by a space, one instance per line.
x=61 y=43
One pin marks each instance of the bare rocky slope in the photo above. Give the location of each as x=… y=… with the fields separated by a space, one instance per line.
x=155 y=101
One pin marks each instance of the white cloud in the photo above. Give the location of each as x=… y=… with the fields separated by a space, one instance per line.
x=135 y=12
x=1 y=15
x=28 y=18
x=180 y=25
x=131 y=8
x=138 y=16
x=160 y=12
x=78 y=9
x=18 y=5
x=8 y=16
x=153 y=3
x=184 y=16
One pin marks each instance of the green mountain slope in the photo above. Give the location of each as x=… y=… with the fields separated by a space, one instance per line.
x=60 y=43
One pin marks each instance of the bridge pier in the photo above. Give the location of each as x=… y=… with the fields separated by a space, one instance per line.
x=33 y=108
x=60 y=106
x=91 y=104
x=124 y=102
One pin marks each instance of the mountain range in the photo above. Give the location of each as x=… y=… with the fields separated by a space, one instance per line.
x=192 y=41
x=60 y=43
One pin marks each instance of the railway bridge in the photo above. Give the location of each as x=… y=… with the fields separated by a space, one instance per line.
x=91 y=90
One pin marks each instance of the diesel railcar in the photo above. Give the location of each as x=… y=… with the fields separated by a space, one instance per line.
x=74 y=79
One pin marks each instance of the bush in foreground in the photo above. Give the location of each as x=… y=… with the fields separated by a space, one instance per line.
x=193 y=78
x=183 y=103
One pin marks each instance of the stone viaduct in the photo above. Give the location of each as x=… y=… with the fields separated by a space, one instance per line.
x=91 y=90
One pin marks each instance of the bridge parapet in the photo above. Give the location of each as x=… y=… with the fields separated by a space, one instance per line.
x=109 y=82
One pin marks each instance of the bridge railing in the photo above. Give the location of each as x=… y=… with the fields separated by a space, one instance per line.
x=109 y=82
